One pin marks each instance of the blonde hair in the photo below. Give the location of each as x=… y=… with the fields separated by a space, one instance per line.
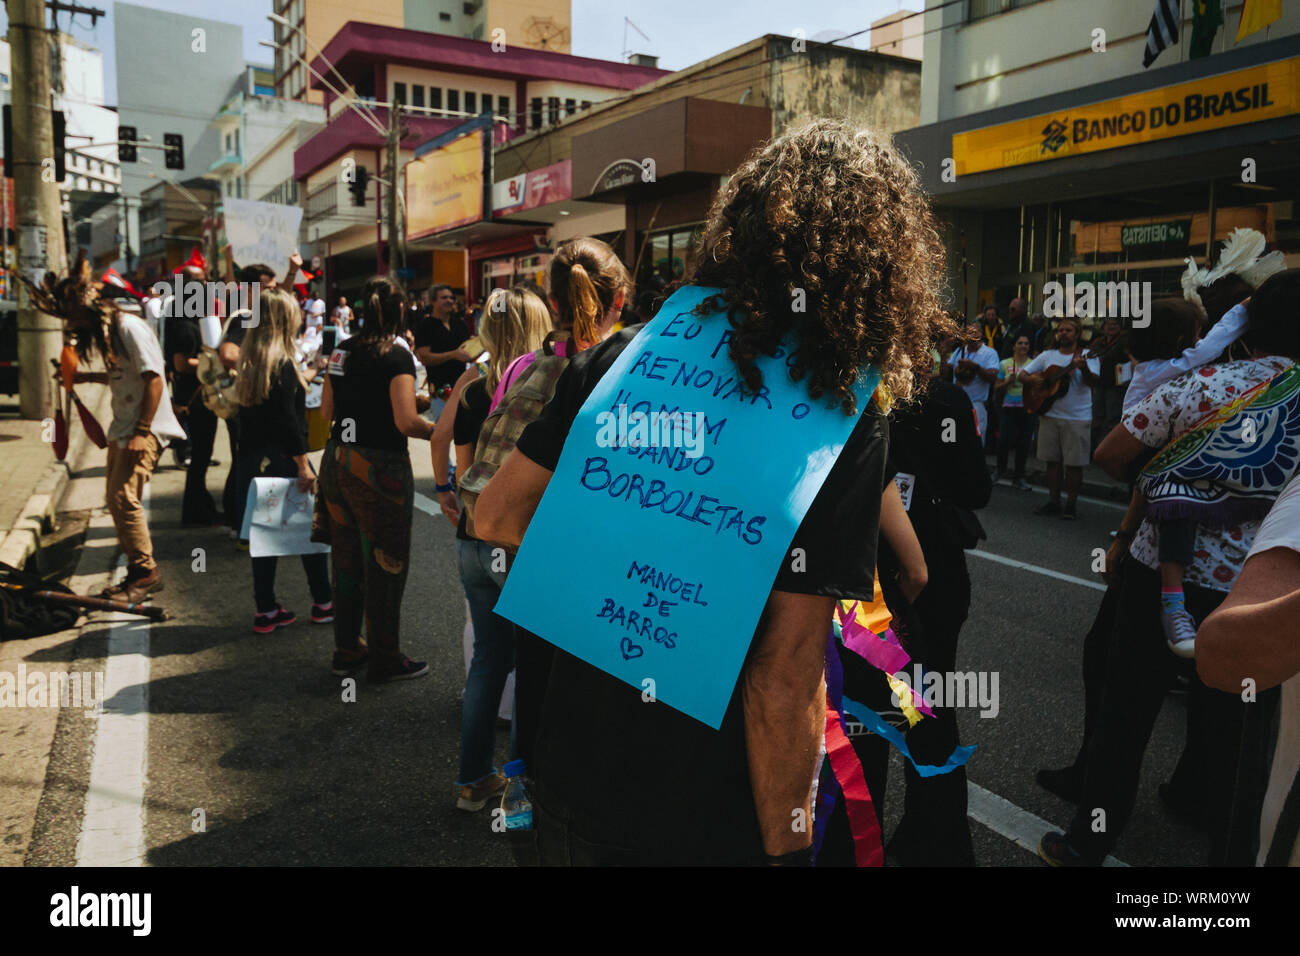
x=266 y=345
x=584 y=278
x=514 y=321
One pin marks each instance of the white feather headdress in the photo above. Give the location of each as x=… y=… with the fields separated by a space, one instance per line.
x=1240 y=257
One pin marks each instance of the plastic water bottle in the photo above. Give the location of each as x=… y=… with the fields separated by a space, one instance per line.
x=514 y=801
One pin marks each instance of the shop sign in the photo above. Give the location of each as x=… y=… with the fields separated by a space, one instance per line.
x=541 y=187
x=444 y=188
x=1228 y=99
x=619 y=173
x=1174 y=232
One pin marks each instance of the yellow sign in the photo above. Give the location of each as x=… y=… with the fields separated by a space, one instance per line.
x=1229 y=99
x=445 y=188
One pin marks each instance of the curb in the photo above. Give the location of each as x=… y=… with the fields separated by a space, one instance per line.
x=24 y=540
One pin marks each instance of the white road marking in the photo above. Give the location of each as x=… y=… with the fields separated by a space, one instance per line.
x=1004 y=818
x=1012 y=562
x=112 y=828
x=427 y=505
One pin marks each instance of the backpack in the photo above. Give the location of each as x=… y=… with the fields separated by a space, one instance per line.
x=216 y=382
x=22 y=614
x=528 y=393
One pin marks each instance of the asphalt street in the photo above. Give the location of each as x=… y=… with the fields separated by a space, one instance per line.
x=249 y=735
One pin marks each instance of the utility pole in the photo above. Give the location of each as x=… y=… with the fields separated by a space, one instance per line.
x=38 y=213
x=396 y=247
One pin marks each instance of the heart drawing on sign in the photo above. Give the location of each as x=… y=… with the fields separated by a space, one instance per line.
x=630 y=650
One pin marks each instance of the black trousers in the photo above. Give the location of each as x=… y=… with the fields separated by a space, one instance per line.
x=1013 y=432
x=197 y=506
x=934 y=829
x=1138 y=673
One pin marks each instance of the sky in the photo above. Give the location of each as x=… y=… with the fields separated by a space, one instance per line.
x=681 y=32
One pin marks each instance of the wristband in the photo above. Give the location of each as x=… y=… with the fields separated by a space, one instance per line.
x=439 y=489
x=144 y=431
x=802 y=857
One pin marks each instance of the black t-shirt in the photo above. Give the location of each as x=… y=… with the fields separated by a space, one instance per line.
x=431 y=333
x=280 y=422
x=664 y=784
x=236 y=331
x=470 y=415
x=359 y=381
x=183 y=338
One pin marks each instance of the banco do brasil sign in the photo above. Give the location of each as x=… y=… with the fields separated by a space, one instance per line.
x=1229 y=99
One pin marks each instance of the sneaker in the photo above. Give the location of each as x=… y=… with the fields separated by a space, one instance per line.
x=1180 y=632
x=476 y=796
x=1020 y=484
x=1069 y=514
x=268 y=622
x=322 y=613
x=348 y=662
x=405 y=670
x=1055 y=850
x=1066 y=783
x=1050 y=509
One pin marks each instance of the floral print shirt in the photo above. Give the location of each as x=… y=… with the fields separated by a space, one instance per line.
x=1171 y=410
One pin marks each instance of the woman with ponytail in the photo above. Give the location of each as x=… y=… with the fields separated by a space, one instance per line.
x=367 y=489
x=273 y=425
x=515 y=322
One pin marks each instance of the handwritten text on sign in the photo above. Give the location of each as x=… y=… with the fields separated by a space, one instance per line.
x=261 y=233
x=678 y=550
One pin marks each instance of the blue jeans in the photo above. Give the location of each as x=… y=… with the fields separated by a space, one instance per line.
x=494 y=657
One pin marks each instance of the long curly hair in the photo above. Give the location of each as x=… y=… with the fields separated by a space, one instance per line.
x=824 y=231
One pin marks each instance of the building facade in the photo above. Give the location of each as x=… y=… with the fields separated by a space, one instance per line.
x=1068 y=157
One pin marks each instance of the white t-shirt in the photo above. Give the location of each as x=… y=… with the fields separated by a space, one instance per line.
x=1281 y=529
x=1172 y=409
x=138 y=353
x=342 y=315
x=1076 y=404
x=977 y=389
x=1148 y=375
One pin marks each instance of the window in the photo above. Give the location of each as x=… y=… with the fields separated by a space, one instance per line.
x=570 y=107
x=552 y=110
x=535 y=118
x=445 y=17
x=485 y=100
x=399 y=93
x=417 y=95
x=453 y=100
x=471 y=102
x=503 y=107
x=435 y=97
x=988 y=8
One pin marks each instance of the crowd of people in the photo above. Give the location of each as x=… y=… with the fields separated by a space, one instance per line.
x=836 y=212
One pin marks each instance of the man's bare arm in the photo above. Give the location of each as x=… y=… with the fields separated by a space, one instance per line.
x=783 y=691
x=1253 y=632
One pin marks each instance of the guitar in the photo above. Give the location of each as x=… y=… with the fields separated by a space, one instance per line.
x=1040 y=398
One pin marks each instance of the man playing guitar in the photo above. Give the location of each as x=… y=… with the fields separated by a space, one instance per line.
x=1058 y=384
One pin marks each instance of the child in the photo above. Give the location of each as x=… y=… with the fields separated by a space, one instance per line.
x=1160 y=357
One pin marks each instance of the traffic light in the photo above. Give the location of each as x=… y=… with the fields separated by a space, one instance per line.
x=60 y=155
x=59 y=130
x=174 y=154
x=358 y=186
x=126 y=137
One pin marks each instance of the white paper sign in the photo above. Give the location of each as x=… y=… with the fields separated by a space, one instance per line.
x=261 y=232
x=906 y=485
x=277 y=519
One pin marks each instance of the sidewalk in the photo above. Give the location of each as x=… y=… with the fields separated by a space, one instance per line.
x=32 y=482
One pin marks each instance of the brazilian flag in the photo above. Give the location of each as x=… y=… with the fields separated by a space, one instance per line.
x=1206 y=20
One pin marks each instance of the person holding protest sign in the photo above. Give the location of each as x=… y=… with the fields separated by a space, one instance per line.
x=367 y=490
x=514 y=323
x=273 y=426
x=820 y=256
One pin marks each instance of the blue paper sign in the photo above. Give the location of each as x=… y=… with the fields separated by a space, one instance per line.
x=672 y=506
